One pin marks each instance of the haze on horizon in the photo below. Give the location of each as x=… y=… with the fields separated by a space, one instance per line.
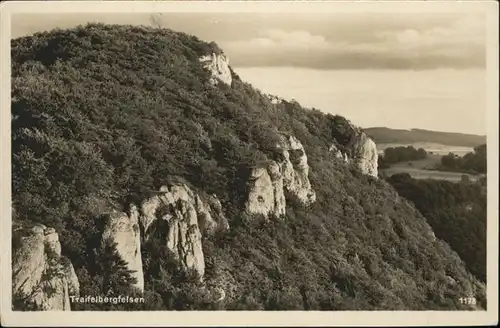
x=402 y=71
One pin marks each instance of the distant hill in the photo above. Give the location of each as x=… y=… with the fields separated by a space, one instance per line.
x=386 y=135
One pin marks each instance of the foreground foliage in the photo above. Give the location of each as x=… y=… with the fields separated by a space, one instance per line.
x=455 y=211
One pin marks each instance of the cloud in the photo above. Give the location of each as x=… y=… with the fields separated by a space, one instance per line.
x=316 y=40
x=281 y=41
x=454 y=43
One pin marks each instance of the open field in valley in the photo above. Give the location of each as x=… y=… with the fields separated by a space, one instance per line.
x=422 y=169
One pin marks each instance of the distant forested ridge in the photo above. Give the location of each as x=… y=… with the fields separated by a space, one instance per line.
x=142 y=164
x=386 y=135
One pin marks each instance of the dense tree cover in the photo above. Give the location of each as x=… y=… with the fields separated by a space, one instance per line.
x=473 y=162
x=386 y=135
x=455 y=211
x=104 y=114
x=400 y=154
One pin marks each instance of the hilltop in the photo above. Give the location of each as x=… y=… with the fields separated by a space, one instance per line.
x=387 y=135
x=142 y=164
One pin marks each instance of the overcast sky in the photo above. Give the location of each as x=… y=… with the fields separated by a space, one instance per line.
x=323 y=41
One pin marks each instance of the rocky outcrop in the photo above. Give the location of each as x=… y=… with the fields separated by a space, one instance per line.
x=215 y=215
x=123 y=230
x=365 y=154
x=296 y=170
x=266 y=192
x=278 y=184
x=267 y=185
x=341 y=156
x=218 y=66
x=41 y=278
x=210 y=214
x=180 y=216
x=274 y=99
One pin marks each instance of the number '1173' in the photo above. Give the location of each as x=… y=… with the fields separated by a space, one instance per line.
x=467 y=300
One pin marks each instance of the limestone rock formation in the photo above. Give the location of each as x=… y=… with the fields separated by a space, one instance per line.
x=210 y=214
x=265 y=192
x=123 y=230
x=215 y=211
x=267 y=185
x=296 y=170
x=72 y=279
x=274 y=99
x=339 y=154
x=365 y=154
x=180 y=216
x=41 y=278
x=218 y=65
x=276 y=173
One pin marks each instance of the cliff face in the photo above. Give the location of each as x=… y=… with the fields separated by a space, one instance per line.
x=45 y=280
x=357 y=148
x=218 y=65
x=178 y=214
x=267 y=185
x=123 y=230
x=365 y=154
x=41 y=278
x=262 y=196
x=363 y=150
x=296 y=170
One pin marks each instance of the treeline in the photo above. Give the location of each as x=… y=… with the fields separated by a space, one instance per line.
x=473 y=162
x=394 y=155
x=386 y=135
x=455 y=211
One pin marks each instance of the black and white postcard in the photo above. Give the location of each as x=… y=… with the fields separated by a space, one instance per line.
x=230 y=163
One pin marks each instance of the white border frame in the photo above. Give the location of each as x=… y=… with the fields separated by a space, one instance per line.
x=252 y=318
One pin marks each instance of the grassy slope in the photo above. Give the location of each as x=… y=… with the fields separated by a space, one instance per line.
x=123 y=109
x=425 y=169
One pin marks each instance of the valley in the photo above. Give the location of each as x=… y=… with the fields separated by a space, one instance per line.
x=426 y=168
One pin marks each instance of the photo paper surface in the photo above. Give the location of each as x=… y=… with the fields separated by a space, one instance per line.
x=233 y=163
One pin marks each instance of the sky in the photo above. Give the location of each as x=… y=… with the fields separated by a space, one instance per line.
x=408 y=70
